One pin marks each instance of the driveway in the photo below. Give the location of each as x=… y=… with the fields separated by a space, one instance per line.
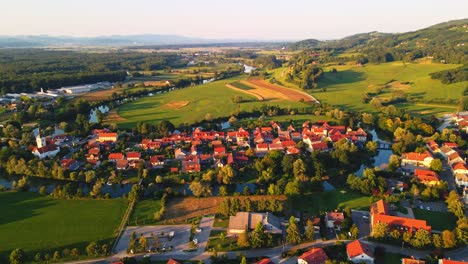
x=363 y=224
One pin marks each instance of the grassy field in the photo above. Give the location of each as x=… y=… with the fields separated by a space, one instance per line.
x=143 y=212
x=437 y=220
x=317 y=203
x=346 y=87
x=213 y=98
x=34 y=222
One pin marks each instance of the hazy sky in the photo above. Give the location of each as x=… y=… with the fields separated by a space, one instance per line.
x=247 y=19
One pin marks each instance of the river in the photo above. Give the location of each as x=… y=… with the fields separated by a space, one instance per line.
x=382 y=158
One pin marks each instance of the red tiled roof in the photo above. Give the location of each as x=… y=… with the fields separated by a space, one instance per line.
x=122 y=163
x=172 y=261
x=412 y=261
x=315 y=255
x=265 y=261
x=262 y=145
x=276 y=146
x=220 y=150
x=379 y=207
x=47 y=148
x=319 y=146
x=426 y=175
x=116 y=156
x=93 y=151
x=451 y=144
x=357 y=248
x=416 y=156
x=459 y=166
x=107 y=135
x=449 y=261
x=133 y=155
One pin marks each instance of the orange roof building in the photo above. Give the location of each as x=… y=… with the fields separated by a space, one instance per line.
x=314 y=255
x=427 y=177
x=380 y=214
x=359 y=252
x=412 y=261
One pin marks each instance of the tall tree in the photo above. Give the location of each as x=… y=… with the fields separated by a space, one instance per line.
x=293 y=235
x=17 y=256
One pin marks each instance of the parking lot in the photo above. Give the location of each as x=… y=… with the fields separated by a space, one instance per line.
x=362 y=221
x=179 y=242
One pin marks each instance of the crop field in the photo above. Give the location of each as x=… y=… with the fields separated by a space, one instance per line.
x=192 y=104
x=345 y=88
x=182 y=209
x=272 y=91
x=34 y=222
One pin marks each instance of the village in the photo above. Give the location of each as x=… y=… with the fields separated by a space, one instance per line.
x=198 y=151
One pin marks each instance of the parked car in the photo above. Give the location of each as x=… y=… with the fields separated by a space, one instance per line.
x=198 y=230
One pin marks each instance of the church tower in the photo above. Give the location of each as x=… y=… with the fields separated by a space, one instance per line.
x=40 y=141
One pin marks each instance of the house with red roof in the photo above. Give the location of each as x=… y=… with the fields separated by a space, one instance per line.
x=454 y=158
x=219 y=151
x=412 y=261
x=319 y=146
x=334 y=219
x=358 y=135
x=359 y=252
x=380 y=213
x=114 y=157
x=452 y=145
x=172 y=261
x=276 y=146
x=449 y=261
x=121 y=164
x=313 y=256
x=265 y=261
x=112 y=137
x=70 y=164
x=261 y=149
x=157 y=161
x=426 y=177
x=293 y=151
x=133 y=156
x=459 y=168
x=191 y=164
x=417 y=159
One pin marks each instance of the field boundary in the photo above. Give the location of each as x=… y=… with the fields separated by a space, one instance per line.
x=123 y=223
x=259 y=97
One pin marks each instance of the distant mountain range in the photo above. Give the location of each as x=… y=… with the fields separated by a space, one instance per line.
x=441 y=32
x=117 y=40
x=452 y=32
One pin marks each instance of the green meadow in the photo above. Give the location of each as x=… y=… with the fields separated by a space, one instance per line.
x=35 y=222
x=192 y=104
x=345 y=87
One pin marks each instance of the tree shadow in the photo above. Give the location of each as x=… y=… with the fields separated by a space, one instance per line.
x=341 y=77
x=17 y=206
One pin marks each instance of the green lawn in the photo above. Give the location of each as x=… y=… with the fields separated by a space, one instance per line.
x=34 y=222
x=143 y=212
x=242 y=86
x=344 y=88
x=219 y=222
x=212 y=98
x=317 y=203
x=390 y=258
x=228 y=244
x=437 y=220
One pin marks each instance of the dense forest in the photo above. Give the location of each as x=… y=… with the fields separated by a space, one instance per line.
x=443 y=42
x=27 y=70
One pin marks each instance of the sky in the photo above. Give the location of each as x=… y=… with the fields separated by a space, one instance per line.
x=220 y=19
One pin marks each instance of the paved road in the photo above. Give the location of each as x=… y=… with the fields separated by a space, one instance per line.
x=206 y=224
